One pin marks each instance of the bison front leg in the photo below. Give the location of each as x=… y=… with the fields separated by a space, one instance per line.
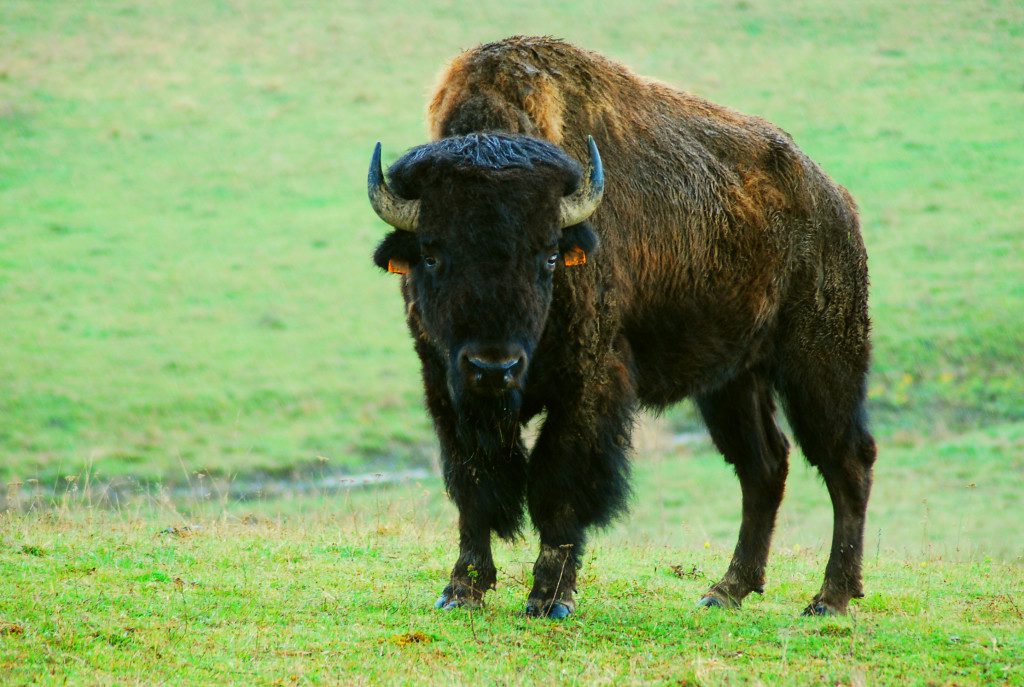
x=740 y=417
x=554 y=580
x=474 y=572
x=489 y=496
x=577 y=477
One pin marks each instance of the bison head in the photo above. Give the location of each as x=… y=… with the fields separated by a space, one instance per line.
x=483 y=222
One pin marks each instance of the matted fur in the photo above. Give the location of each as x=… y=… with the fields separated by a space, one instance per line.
x=731 y=269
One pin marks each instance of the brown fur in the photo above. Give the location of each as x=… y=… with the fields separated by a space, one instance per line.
x=685 y=177
x=730 y=267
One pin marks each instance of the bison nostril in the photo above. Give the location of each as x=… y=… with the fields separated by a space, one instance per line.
x=492 y=365
x=494 y=370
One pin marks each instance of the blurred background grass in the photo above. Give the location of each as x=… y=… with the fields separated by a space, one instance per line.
x=185 y=282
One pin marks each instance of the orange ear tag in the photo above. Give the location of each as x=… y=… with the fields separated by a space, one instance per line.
x=574 y=256
x=398 y=267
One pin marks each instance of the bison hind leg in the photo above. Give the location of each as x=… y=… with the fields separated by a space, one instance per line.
x=740 y=417
x=824 y=402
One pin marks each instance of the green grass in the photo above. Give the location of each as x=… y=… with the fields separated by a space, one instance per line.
x=329 y=589
x=343 y=595
x=184 y=239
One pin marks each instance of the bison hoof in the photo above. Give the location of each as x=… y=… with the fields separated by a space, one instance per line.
x=716 y=601
x=448 y=600
x=821 y=608
x=542 y=609
x=710 y=602
x=559 y=611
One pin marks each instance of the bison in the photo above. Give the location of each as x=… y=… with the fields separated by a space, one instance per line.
x=716 y=262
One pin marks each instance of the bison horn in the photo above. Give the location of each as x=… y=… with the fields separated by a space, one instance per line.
x=581 y=204
x=401 y=213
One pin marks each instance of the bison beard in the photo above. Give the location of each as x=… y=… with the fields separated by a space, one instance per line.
x=487 y=426
x=486 y=474
x=730 y=270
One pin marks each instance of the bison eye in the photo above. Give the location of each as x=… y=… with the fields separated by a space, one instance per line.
x=552 y=261
x=430 y=261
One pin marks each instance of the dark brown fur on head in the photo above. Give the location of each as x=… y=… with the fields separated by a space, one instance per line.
x=489 y=222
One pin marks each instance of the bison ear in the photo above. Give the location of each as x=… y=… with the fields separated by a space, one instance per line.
x=578 y=241
x=398 y=252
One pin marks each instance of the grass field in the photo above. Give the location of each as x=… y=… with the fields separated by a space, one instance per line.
x=187 y=299
x=339 y=591
x=184 y=237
